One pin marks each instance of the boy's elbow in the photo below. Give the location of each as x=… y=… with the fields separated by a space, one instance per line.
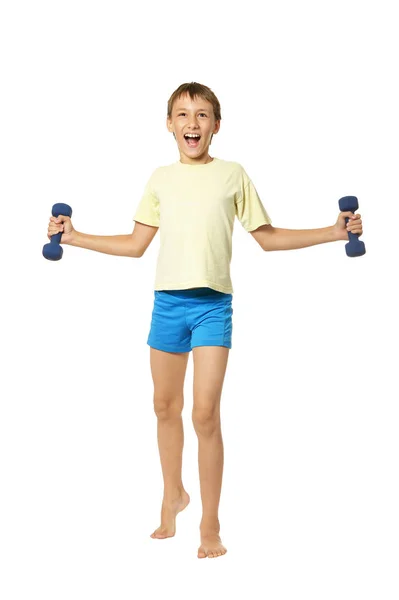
x=136 y=253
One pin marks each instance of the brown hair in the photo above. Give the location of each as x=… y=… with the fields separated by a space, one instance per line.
x=195 y=89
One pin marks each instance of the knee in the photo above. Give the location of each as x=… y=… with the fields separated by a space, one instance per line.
x=205 y=420
x=167 y=408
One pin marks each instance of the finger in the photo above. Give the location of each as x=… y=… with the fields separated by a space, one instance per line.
x=354 y=225
x=354 y=222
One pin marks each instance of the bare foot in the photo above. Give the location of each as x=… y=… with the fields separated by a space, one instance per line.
x=211 y=546
x=168 y=516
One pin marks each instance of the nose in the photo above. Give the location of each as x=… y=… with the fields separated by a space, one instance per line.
x=192 y=123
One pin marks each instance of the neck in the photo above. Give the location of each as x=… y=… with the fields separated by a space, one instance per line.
x=201 y=160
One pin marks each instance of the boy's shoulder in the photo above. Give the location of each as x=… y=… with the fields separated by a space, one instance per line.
x=234 y=168
x=232 y=165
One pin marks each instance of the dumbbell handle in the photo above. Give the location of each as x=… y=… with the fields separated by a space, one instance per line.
x=56 y=238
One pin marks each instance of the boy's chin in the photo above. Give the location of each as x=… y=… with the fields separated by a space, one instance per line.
x=194 y=152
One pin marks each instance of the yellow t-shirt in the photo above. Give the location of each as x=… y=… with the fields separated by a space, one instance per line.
x=194 y=206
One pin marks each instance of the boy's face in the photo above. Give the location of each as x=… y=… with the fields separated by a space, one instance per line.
x=193 y=117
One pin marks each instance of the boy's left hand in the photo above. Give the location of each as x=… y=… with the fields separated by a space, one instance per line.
x=354 y=225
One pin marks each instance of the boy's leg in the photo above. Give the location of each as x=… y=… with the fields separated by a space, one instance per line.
x=168 y=370
x=210 y=363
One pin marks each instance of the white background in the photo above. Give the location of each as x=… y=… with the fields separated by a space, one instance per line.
x=309 y=100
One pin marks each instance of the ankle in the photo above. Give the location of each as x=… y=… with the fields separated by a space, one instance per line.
x=209 y=525
x=172 y=494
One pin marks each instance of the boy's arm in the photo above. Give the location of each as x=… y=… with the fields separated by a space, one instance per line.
x=133 y=245
x=274 y=238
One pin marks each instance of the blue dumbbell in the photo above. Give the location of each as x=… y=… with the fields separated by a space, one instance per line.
x=354 y=247
x=53 y=250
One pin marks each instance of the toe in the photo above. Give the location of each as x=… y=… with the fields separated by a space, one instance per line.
x=157 y=535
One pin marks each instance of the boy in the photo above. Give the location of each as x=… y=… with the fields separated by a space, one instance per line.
x=194 y=202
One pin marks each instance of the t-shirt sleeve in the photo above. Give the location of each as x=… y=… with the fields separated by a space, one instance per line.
x=249 y=208
x=147 y=211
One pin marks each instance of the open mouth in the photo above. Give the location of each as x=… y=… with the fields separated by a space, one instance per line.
x=192 y=141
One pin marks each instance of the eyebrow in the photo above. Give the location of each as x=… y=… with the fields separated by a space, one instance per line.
x=206 y=109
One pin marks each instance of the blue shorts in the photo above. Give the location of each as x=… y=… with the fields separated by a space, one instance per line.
x=183 y=319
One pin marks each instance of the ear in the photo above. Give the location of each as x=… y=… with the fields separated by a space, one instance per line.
x=217 y=127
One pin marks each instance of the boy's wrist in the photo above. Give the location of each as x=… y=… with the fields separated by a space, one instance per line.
x=340 y=234
x=72 y=239
x=335 y=234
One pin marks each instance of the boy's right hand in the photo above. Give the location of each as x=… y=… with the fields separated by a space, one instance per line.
x=64 y=224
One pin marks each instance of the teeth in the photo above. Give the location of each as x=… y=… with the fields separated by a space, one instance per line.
x=192 y=135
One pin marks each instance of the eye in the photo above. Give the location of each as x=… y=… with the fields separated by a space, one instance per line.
x=182 y=113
